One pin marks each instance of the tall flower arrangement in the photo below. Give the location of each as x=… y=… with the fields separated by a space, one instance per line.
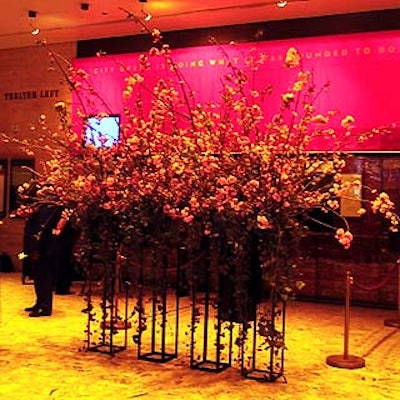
x=184 y=170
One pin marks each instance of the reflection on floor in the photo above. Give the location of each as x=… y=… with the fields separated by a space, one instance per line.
x=42 y=358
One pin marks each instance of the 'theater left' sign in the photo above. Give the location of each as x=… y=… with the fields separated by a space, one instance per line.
x=31 y=94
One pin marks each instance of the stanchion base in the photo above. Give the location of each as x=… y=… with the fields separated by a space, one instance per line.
x=394 y=323
x=350 y=362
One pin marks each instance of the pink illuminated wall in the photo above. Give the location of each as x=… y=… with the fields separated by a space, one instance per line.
x=363 y=71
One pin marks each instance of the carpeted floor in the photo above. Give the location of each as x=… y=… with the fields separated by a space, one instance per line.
x=42 y=358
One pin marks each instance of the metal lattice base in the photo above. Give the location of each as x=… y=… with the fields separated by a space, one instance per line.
x=210 y=366
x=157 y=357
x=106 y=349
x=349 y=362
x=264 y=376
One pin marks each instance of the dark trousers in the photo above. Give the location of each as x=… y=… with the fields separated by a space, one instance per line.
x=43 y=282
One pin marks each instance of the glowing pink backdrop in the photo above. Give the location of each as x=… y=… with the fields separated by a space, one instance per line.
x=363 y=71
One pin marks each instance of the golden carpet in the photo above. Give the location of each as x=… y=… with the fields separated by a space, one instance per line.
x=42 y=358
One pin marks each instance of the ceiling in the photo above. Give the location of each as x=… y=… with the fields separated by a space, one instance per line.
x=64 y=20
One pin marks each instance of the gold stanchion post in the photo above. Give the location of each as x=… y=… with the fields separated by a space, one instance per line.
x=346 y=360
x=395 y=323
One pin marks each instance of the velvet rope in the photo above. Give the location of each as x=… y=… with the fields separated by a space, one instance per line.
x=379 y=285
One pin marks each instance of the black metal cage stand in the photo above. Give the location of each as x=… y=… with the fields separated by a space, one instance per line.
x=161 y=327
x=211 y=338
x=263 y=347
x=114 y=313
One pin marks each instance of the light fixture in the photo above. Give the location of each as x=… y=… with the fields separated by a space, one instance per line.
x=34 y=29
x=282 y=3
x=146 y=16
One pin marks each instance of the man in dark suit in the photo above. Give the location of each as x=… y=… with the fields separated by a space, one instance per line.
x=43 y=249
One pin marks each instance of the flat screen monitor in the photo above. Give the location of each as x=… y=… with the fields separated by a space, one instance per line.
x=102 y=131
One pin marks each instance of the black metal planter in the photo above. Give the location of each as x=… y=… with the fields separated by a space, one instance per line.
x=211 y=338
x=113 y=324
x=263 y=344
x=158 y=311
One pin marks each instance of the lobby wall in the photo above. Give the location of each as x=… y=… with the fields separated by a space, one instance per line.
x=28 y=88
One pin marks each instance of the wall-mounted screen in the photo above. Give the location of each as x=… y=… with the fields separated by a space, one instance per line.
x=102 y=131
